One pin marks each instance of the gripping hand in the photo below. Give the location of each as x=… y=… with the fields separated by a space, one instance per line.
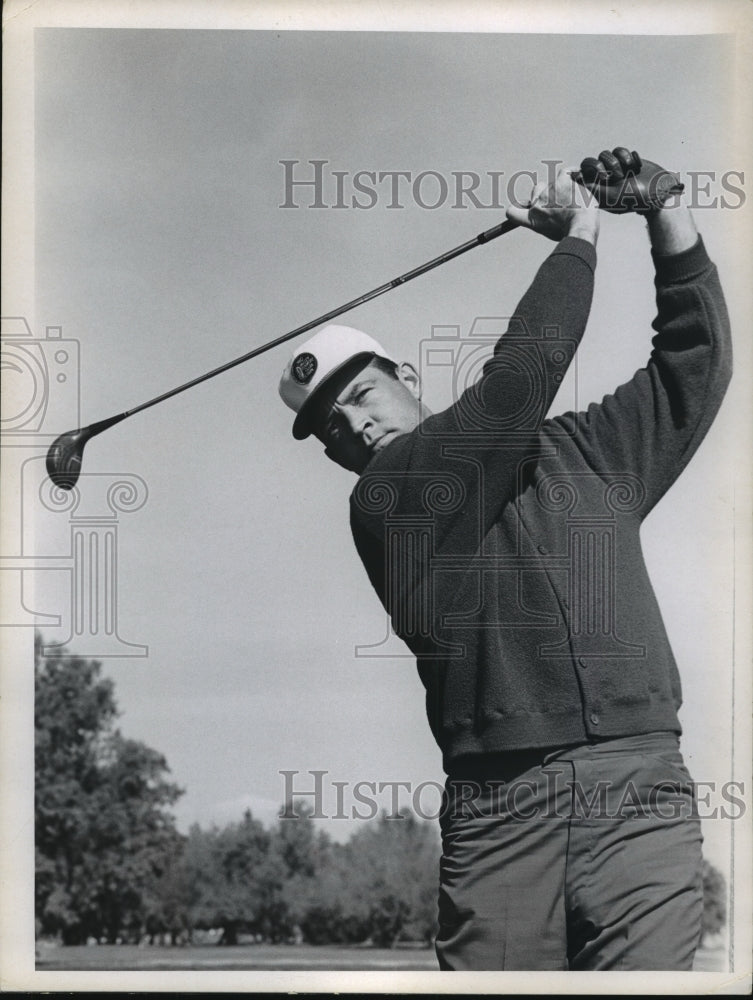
x=623 y=182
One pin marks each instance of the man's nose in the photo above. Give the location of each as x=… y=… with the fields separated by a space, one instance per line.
x=360 y=423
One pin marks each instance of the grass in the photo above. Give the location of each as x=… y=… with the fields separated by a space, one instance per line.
x=240 y=957
x=323 y=958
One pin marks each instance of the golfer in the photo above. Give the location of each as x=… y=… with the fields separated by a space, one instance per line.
x=505 y=546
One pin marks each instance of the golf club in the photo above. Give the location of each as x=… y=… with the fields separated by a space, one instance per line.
x=66 y=452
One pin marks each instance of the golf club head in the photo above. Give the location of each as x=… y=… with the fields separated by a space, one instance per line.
x=66 y=452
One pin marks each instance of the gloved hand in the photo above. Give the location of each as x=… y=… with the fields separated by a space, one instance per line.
x=623 y=182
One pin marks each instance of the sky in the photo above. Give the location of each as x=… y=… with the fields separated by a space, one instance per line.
x=162 y=249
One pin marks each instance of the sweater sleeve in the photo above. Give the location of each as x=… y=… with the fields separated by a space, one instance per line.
x=480 y=441
x=651 y=426
x=518 y=383
x=461 y=465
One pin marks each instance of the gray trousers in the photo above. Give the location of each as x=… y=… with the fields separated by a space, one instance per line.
x=586 y=858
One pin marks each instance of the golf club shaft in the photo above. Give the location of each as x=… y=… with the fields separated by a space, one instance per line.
x=485 y=237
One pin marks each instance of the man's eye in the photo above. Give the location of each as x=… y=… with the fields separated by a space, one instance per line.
x=362 y=394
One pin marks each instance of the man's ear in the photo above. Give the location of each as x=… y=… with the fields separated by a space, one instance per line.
x=410 y=378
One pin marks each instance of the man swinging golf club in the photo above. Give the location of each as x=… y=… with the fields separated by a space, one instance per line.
x=570 y=840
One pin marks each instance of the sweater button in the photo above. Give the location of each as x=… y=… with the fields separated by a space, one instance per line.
x=594 y=719
x=543 y=550
x=582 y=662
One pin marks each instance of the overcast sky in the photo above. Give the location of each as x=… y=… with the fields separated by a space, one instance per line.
x=161 y=247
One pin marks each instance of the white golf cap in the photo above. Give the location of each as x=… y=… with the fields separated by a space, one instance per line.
x=319 y=359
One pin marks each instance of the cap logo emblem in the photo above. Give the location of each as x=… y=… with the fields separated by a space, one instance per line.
x=304 y=368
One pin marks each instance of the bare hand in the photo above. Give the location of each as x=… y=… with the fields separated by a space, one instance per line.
x=562 y=208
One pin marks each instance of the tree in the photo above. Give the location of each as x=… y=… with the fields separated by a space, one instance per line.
x=233 y=879
x=331 y=908
x=103 y=835
x=307 y=861
x=714 y=901
x=379 y=886
x=398 y=859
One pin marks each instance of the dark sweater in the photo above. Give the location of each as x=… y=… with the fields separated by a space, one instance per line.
x=505 y=546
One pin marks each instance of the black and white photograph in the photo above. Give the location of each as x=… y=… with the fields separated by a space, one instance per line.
x=376 y=497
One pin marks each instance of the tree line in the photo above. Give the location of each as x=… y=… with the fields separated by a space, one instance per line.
x=112 y=866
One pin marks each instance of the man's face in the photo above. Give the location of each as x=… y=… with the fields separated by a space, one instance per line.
x=363 y=408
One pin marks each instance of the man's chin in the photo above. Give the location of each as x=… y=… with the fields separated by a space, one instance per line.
x=382 y=443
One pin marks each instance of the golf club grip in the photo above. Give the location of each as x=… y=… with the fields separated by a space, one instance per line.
x=495 y=231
